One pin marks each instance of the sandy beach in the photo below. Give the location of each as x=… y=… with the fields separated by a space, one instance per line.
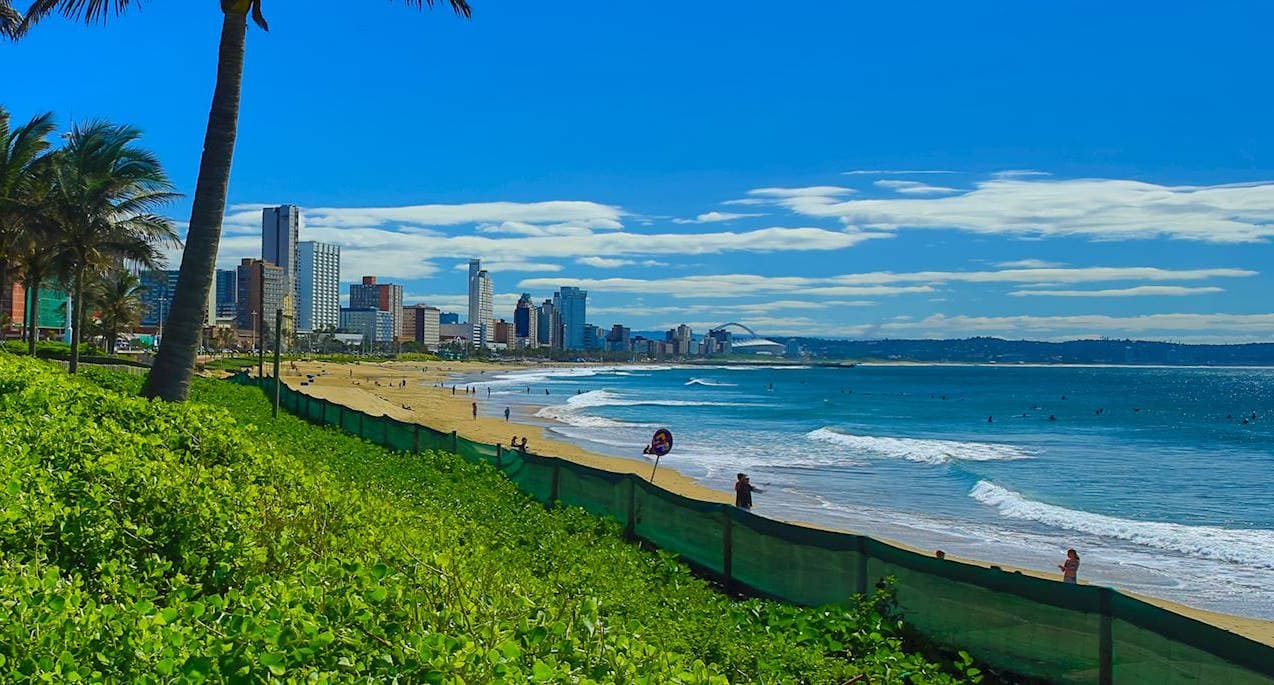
x=375 y=388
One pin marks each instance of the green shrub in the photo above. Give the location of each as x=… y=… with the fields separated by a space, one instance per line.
x=158 y=542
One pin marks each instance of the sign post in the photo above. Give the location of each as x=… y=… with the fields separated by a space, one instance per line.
x=660 y=445
x=278 y=340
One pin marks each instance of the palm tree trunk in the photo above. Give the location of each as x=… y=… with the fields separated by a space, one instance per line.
x=76 y=318
x=169 y=379
x=33 y=315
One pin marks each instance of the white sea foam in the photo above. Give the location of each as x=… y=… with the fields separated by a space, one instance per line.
x=572 y=413
x=1252 y=547
x=606 y=398
x=711 y=383
x=920 y=450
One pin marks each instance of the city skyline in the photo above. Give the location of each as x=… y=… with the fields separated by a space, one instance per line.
x=1008 y=186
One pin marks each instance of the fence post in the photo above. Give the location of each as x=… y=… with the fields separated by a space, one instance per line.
x=630 y=526
x=415 y=440
x=340 y=416
x=553 y=488
x=455 y=443
x=1105 y=640
x=361 y=416
x=861 y=571
x=727 y=550
x=499 y=456
x=385 y=433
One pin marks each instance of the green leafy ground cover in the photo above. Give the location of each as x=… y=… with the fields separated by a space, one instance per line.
x=205 y=541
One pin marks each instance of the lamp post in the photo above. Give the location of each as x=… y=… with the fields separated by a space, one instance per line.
x=162 y=301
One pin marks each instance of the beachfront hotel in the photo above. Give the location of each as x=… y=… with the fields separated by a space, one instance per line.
x=318 y=283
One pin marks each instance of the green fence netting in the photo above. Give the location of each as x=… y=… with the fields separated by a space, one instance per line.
x=1027 y=625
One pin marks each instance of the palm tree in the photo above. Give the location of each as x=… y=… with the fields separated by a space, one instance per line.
x=21 y=152
x=104 y=196
x=117 y=300
x=170 y=377
x=37 y=250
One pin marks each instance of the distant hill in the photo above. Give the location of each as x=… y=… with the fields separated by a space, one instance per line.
x=1030 y=351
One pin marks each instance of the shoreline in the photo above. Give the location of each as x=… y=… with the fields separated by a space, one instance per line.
x=356 y=387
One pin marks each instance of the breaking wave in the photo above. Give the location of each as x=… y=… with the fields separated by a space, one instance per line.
x=918 y=449
x=1253 y=547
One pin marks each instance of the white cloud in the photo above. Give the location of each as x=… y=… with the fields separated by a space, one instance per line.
x=608 y=263
x=503 y=303
x=810 y=191
x=914 y=188
x=714 y=217
x=727 y=285
x=1028 y=264
x=1138 y=291
x=1090 y=274
x=1100 y=209
x=578 y=213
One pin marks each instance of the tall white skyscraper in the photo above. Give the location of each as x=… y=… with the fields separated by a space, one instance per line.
x=280 y=233
x=318 y=284
x=481 y=303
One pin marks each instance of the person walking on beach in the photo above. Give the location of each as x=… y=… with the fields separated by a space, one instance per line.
x=506 y=414
x=1070 y=567
x=743 y=490
x=475 y=411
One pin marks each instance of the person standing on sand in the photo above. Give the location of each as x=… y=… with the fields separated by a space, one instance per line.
x=506 y=414
x=743 y=490
x=1070 y=568
x=475 y=411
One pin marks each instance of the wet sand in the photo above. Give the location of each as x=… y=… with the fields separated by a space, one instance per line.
x=374 y=388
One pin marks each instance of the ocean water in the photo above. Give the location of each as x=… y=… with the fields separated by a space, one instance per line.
x=1149 y=473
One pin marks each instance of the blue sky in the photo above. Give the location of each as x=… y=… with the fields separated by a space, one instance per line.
x=1104 y=171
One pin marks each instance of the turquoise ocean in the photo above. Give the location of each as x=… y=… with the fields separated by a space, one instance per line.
x=1150 y=474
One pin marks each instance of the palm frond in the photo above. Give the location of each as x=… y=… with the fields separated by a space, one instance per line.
x=10 y=20
x=88 y=11
x=460 y=7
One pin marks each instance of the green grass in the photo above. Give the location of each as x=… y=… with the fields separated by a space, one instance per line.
x=155 y=542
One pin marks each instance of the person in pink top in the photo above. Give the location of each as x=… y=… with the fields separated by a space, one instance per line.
x=1070 y=568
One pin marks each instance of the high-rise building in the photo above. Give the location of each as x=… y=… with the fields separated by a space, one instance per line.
x=280 y=233
x=594 y=337
x=387 y=297
x=157 y=295
x=318 y=287
x=549 y=324
x=525 y=323
x=159 y=287
x=681 y=340
x=420 y=323
x=481 y=303
x=571 y=305
x=261 y=289
x=619 y=339
x=227 y=298
x=376 y=325
x=501 y=332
